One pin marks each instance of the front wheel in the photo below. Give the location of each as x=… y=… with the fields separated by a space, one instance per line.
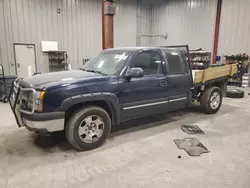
x=211 y=100
x=88 y=128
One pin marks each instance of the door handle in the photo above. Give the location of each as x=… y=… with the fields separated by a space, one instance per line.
x=163 y=83
x=18 y=65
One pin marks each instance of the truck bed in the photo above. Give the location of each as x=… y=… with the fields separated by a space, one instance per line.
x=202 y=77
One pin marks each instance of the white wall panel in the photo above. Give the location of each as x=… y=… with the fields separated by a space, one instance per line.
x=185 y=22
x=77 y=29
x=234 y=34
x=125 y=23
x=133 y=18
x=144 y=24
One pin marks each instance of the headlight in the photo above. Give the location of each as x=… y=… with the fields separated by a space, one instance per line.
x=39 y=100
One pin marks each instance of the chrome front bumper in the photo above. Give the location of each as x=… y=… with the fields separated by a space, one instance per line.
x=33 y=121
x=44 y=126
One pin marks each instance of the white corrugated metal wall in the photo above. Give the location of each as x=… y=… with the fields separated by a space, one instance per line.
x=125 y=23
x=234 y=34
x=185 y=22
x=144 y=28
x=131 y=20
x=77 y=28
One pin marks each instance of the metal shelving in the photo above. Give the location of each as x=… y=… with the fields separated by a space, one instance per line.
x=57 y=60
x=200 y=59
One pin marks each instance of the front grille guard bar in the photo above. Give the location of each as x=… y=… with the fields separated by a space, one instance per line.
x=17 y=101
x=30 y=112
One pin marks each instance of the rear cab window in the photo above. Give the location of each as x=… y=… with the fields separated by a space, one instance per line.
x=176 y=62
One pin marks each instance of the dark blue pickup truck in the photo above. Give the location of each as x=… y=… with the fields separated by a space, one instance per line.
x=119 y=84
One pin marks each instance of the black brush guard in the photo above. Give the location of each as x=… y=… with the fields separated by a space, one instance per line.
x=15 y=101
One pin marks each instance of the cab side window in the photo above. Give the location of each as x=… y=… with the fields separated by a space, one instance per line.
x=175 y=63
x=150 y=62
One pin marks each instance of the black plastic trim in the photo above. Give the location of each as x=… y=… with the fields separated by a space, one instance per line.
x=109 y=97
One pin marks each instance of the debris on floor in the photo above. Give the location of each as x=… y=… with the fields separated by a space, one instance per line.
x=191 y=145
x=191 y=129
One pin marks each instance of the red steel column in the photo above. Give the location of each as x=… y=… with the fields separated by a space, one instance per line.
x=103 y=26
x=217 y=30
x=109 y=12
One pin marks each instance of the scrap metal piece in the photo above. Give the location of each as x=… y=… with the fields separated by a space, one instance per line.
x=191 y=129
x=192 y=146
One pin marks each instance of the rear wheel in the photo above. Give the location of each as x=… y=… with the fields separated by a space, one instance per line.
x=211 y=100
x=88 y=128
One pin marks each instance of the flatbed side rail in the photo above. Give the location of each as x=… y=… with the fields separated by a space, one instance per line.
x=201 y=77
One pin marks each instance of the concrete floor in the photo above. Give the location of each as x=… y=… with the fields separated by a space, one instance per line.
x=139 y=154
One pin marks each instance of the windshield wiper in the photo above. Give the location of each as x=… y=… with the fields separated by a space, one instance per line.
x=94 y=71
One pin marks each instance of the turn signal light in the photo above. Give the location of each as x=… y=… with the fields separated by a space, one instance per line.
x=40 y=101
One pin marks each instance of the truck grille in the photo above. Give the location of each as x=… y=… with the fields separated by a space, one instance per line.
x=25 y=98
x=22 y=100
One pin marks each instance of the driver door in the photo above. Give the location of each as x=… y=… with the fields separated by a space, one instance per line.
x=146 y=95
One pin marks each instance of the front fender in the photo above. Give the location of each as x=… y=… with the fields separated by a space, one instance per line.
x=108 y=97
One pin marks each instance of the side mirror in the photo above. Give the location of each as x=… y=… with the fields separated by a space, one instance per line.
x=135 y=72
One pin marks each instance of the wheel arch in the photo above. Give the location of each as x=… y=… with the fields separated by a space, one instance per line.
x=220 y=83
x=107 y=101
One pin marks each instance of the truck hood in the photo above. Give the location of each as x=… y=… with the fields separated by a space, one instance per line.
x=47 y=80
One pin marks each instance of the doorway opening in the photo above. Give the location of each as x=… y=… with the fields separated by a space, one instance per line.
x=25 y=59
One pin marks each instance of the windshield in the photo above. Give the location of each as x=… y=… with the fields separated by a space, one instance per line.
x=107 y=62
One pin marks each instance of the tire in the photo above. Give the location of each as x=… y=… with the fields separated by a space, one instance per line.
x=80 y=120
x=235 y=93
x=5 y=99
x=44 y=140
x=208 y=106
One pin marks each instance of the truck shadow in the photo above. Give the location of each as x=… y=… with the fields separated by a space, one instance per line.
x=156 y=120
x=143 y=123
x=45 y=141
x=21 y=143
x=23 y=148
x=136 y=125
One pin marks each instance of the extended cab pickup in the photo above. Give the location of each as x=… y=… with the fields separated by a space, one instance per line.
x=119 y=84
